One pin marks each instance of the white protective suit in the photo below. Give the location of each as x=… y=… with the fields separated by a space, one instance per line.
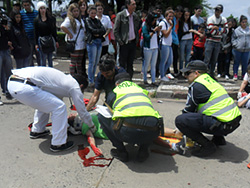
x=46 y=97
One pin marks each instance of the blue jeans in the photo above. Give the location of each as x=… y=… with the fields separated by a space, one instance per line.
x=185 y=51
x=150 y=57
x=242 y=57
x=22 y=62
x=44 y=56
x=94 y=53
x=212 y=50
x=5 y=66
x=166 y=59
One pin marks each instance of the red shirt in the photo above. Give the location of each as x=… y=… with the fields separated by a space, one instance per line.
x=198 y=42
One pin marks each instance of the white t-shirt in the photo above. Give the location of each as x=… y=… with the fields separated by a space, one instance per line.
x=185 y=29
x=246 y=78
x=168 y=40
x=106 y=22
x=247 y=104
x=154 y=41
x=59 y=84
x=80 y=43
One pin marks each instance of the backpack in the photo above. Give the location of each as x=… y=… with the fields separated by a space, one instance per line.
x=161 y=36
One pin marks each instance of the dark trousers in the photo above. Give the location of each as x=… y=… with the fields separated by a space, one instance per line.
x=126 y=57
x=104 y=50
x=175 y=57
x=198 y=53
x=223 y=63
x=192 y=124
x=129 y=135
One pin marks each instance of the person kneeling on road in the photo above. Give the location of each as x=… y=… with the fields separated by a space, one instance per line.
x=43 y=88
x=209 y=109
x=134 y=119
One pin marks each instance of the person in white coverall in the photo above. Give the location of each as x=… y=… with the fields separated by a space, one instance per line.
x=43 y=88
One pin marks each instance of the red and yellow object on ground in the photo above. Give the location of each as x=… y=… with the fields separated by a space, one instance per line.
x=167 y=141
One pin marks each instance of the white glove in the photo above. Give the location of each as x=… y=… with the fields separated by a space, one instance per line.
x=239 y=95
x=93 y=129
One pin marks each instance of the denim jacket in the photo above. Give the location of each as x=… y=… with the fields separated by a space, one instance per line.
x=121 y=29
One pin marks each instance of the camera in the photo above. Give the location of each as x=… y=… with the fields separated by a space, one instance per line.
x=3 y=20
x=3 y=17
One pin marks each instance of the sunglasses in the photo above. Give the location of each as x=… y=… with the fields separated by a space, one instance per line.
x=188 y=72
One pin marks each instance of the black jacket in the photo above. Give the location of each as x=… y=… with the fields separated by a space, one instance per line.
x=20 y=42
x=94 y=27
x=4 y=38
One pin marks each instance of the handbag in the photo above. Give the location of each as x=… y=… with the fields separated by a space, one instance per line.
x=70 y=45
x=46 y=42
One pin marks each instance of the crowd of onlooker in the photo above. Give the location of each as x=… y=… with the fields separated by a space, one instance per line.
x=171 y=37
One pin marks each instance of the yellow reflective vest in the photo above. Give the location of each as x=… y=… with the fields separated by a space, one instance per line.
x=220 y=104
x=132 y=101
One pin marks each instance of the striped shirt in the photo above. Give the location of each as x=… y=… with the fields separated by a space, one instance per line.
x=28 y=22
x=216 y=35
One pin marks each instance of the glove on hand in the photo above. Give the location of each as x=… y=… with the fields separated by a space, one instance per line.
x=239 y=95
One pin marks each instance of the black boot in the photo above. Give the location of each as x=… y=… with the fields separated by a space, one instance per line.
x=219 y=140
x=143 y=153
x=121 y=155
x=207 y=148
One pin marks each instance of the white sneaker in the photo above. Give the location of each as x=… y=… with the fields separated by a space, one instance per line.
x=170 y=76
x=1 y=103
x=165 y=79
x=219 y=75
x=227 y=77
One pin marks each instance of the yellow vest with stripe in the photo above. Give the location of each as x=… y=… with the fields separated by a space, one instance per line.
x=220 y=104
x=132 y=101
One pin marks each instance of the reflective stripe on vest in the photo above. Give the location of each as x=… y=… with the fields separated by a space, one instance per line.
x=213 y=102
x=127 y=96
x=132 y=101
x=219 y=104
x=136 y=105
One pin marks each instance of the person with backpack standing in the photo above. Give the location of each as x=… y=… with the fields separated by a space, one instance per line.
x=150 y=46
x=165 y=44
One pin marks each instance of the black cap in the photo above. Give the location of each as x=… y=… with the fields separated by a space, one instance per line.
x=219 y=7
x=195 y=65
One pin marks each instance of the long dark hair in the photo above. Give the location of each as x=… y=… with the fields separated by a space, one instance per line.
x=182 y=20
x=13 y=19
x=150 y=18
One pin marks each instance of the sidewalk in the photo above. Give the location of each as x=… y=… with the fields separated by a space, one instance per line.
x=176 y=89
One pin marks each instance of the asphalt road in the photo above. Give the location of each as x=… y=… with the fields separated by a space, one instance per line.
x=27 y=163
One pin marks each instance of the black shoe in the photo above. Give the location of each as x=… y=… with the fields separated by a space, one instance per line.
x=8 y=96
x=120 y=155
x=34 y=135
x=219 y=140
x=143 y=154
x=146 y=83
x=154 y=84
x=204 y=151
x=63 y=147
